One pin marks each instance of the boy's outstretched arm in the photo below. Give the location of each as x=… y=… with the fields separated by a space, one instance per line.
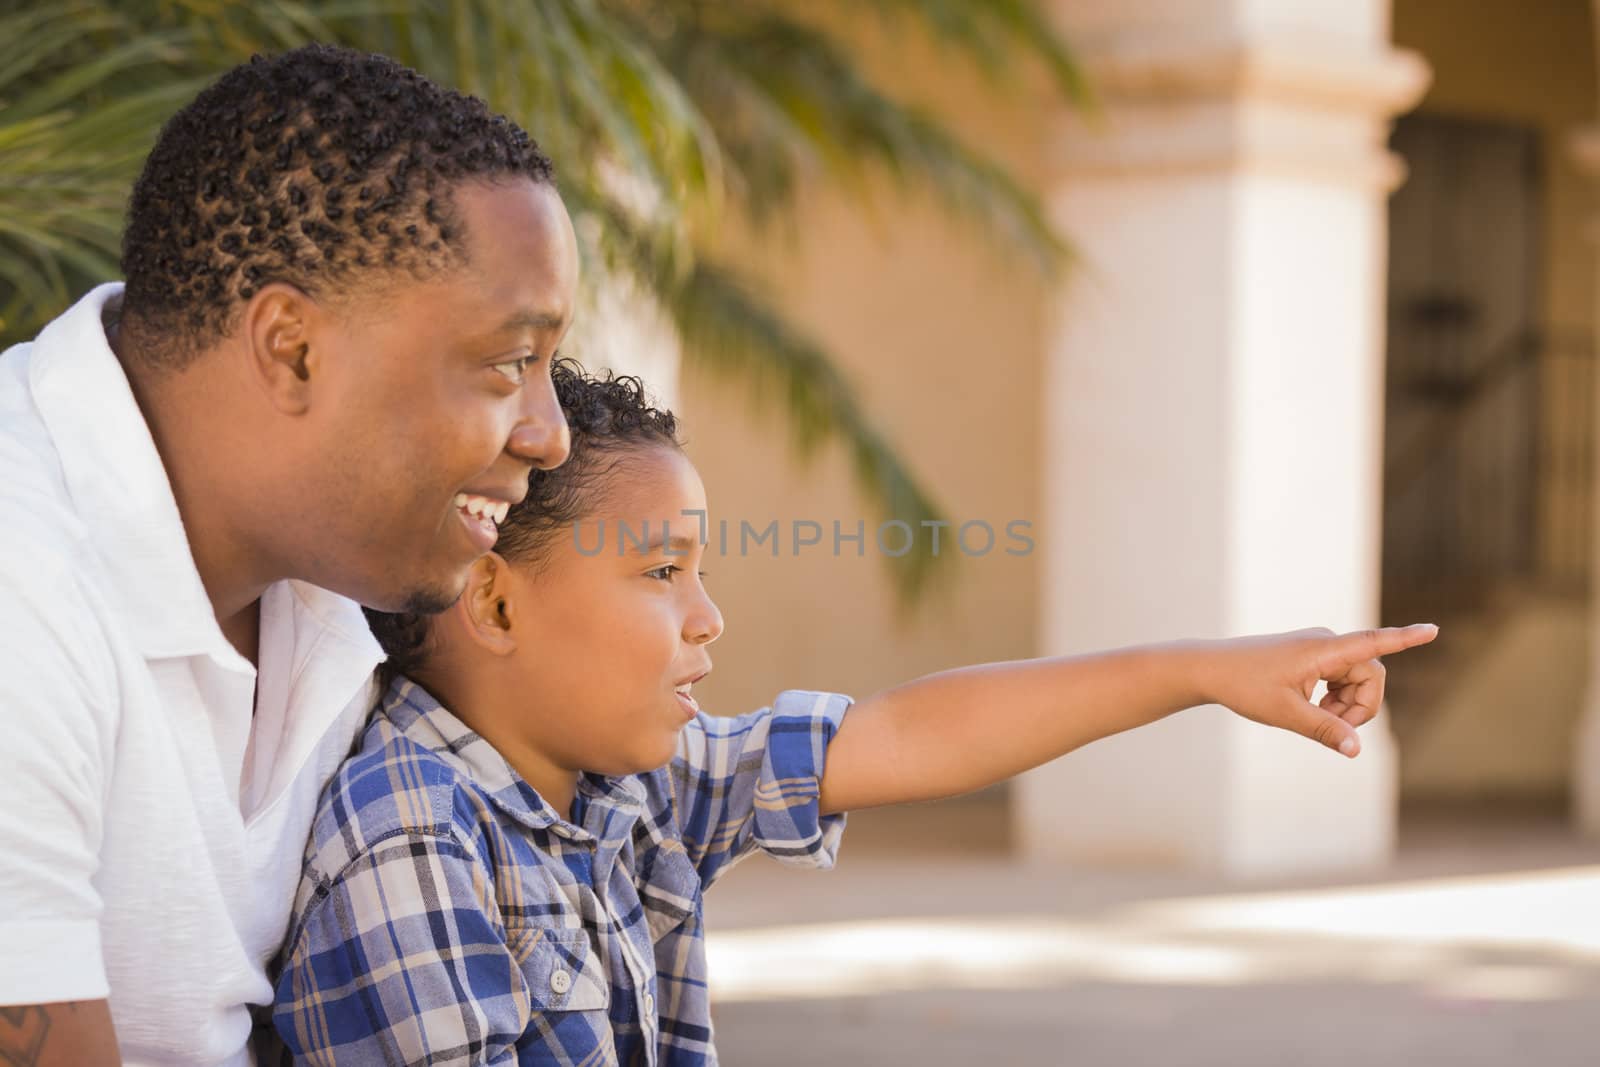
x=961 y=730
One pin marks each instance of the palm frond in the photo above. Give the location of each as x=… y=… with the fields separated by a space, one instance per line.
x=594 y=94
x=76 y=117
x=992 y=35
x=725 y=326
x=729 y=330
x=782 y=94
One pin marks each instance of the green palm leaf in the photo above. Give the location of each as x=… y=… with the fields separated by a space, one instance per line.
x=992 y=35
x=726 y=327
x=82 y=93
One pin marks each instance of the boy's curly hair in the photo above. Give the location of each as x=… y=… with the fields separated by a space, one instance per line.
x=315 y=167
x=609 y=418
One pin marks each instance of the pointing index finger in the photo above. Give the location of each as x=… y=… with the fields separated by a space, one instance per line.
x=1371 y=644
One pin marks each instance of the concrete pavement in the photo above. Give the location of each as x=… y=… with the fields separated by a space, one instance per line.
x=931 y=946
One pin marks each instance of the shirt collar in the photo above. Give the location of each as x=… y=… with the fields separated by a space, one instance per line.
x=120 y=489
x=317 y=653
x=421 y=719
x=119 y=486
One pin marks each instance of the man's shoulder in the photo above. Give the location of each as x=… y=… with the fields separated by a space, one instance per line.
x=390 y=787
x=48 y=569
x=22 y=427
x=39 y=528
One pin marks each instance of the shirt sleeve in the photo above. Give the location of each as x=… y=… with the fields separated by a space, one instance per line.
x=58 y=706
x=753 y=782
x=402 y=958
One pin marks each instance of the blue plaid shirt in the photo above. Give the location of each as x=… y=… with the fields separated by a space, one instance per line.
x=448 y=915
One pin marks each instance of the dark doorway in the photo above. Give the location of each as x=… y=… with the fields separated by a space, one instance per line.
x=1488 y=419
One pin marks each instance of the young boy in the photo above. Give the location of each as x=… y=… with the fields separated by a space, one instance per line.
x=510 y=869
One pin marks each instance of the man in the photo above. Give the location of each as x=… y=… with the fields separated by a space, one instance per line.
x=326 y=379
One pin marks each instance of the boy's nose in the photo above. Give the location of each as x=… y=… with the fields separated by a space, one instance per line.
x=704 y=625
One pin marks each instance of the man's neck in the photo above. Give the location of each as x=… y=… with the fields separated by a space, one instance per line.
x=243 y=631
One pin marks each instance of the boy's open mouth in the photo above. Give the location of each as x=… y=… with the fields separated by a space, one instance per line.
x=691 y=707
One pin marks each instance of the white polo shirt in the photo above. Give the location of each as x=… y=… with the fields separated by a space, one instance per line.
x=151 y=826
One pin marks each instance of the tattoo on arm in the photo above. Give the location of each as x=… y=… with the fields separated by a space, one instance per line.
x=23 y=1031
x=63 y=1034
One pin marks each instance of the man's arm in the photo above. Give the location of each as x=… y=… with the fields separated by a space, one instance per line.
x=75 y=1034
x=57 y=700
x=960 y=730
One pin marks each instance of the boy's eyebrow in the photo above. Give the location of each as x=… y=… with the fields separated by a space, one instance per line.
x=680 y=543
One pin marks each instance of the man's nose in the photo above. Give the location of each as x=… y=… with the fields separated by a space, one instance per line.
x=540 y=436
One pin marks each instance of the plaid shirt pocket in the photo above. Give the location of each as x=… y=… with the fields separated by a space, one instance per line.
x=569 y=995
x=563 y=972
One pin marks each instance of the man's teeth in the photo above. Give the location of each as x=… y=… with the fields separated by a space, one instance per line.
x=684 y=689
x=482 y=507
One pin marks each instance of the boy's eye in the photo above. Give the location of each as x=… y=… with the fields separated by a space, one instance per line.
x=664 y=573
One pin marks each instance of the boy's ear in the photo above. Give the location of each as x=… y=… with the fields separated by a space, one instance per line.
x=487 y=608
x=278 y=325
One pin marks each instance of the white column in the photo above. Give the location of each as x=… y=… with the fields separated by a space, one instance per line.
x=1586 y=743
x=1214 y=391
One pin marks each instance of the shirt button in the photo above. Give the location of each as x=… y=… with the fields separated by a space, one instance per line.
x=649 y=1004
x=560 y=982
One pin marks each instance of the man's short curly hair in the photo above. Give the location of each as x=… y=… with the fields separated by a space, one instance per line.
x=312 y=167
x=611 y=420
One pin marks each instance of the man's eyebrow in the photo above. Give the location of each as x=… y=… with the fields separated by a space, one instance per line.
x=525 y=320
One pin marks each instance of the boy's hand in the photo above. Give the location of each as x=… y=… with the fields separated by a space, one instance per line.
x=1270 y=680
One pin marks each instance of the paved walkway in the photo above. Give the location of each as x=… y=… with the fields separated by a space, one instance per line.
x=930 y=946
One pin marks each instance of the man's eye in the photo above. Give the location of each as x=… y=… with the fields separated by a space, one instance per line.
x=663 y=573
x=514 y=370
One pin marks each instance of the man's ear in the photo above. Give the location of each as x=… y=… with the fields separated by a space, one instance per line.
x=487 y=608
x=279 y=323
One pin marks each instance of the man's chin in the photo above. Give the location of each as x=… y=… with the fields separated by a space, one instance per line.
x=419 y=599
x=429 y=601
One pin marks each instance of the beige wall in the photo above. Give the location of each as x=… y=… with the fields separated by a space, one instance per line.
x=941 y=337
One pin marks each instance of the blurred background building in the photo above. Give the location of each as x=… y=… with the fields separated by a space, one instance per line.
x=1324 y=357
